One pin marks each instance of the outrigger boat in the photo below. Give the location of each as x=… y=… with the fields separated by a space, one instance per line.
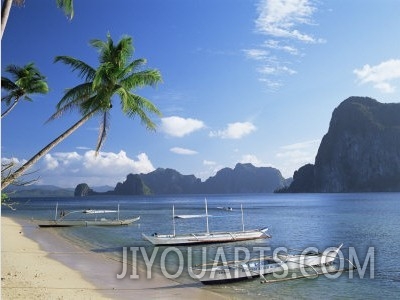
x=205 y=237
x=227 y=208
x=60 y=220
x=217 y=272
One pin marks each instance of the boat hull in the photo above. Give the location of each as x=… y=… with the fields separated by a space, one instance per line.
x=204 y=238
x=237 y=271
x=230 y=274
x=83 y=223
x=297 y=261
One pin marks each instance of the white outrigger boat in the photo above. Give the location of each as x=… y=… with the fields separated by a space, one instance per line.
x=205 y=237
x=217 y=272
x=60 y=220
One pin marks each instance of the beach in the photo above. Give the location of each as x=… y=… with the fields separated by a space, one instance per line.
x=38 y=264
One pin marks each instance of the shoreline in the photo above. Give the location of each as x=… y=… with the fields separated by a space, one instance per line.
x=37 y=263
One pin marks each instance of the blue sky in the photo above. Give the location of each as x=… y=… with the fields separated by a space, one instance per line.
x=243 y=81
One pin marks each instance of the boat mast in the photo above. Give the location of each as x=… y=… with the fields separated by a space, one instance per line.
x=55 y=216
x=205 y=200
x=173 y=217
x=241 y=208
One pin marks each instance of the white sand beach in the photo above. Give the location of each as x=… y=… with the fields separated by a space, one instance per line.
x=37 y=264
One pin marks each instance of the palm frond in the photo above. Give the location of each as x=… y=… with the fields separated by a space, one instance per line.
x=86 y=72
x=97 y=102
x=39 y=87
x=7 y=84
x=72 y=99
x=59 y=112
x=104 y=48
x=141 y=79
x=14 y=70
x=67 y=6
x=99 y=44
x=102 y=75
x=124 y=49
x=136 y=105
x=77 y=95
x=132 y=67
x=7 y=99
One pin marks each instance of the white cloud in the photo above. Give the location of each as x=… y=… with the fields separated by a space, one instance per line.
x=67 y=169
x=271 y=84
x=234 y=130
x=296 y=155
x=183 y=151
x=51 y=162
x=252 y=159
x=256 y=54
x=83 y=147
x=116 y=162
x=279 y=18
x=270 y=70
x=179 y=127
x=276 y=45
x=302 y=145
x=11 y=164
x=381 y=76
x=209 y=163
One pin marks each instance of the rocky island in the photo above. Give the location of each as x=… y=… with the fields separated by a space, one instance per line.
x=360 y=152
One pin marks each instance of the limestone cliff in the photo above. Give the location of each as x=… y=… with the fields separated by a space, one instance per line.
x=82 y=190
x=360 y=152
x=133 y=185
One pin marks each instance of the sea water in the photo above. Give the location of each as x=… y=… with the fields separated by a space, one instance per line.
x=367 y=224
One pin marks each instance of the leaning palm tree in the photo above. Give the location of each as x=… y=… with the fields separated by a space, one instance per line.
x=24 y=81
x=115 y=76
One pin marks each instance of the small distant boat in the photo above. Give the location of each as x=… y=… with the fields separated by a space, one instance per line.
x=216 y=273
x=205 y=237
x=228 y=208
x=61 y=220
x=190 y=216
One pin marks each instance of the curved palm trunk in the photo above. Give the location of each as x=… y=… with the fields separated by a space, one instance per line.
x=5 y=12
x=9 y=179
x=9 y=109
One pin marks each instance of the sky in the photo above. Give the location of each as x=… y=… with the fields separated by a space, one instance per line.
x=244 y=81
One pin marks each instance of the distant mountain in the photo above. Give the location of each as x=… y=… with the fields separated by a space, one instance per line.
x=133 y=185
x=360 y=152
x=170 y=181
x=244 y=178
x=38 y=191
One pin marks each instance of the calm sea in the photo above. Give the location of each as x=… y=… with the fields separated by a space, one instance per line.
x=367 y=224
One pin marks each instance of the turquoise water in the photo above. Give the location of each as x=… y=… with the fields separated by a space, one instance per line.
x=367 y=223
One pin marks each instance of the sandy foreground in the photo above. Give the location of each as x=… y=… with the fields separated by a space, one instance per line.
x=37 y=264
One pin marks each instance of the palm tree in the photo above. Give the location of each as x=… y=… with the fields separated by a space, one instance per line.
x=115 y=76
x=25 y=80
